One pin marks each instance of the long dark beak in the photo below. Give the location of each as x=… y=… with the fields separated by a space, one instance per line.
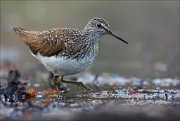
x=110 y=33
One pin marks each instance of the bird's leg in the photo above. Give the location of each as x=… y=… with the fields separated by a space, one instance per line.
x=76 y=83
x=54 y=84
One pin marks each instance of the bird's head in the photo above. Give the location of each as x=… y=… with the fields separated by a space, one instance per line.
x=100 y=26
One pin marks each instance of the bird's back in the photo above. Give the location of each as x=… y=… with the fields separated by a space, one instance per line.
x=53 y=42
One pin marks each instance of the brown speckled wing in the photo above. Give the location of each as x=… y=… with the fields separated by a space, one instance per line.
x=49 y=43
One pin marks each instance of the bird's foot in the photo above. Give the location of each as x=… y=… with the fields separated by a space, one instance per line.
x=79 y=85
x=55 y=86
x=83 y=87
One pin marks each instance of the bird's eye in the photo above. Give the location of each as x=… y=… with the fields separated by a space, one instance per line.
x=99 y=25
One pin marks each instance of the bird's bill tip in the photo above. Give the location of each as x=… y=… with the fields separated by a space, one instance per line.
x=119 y=38
x=112 y=34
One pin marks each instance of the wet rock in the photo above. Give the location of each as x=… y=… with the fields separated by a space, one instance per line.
x=15 y=90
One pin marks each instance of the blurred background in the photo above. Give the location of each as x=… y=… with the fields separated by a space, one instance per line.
x=151 y=28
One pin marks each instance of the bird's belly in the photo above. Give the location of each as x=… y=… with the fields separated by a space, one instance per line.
x=62 y=67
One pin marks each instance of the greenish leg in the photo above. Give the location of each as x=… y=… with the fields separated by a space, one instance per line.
x=76 y=83
x=54 y=84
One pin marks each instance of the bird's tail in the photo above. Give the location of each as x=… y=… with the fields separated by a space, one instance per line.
x=24 y=34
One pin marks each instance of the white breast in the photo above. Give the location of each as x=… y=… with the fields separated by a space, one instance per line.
x=62 y=67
